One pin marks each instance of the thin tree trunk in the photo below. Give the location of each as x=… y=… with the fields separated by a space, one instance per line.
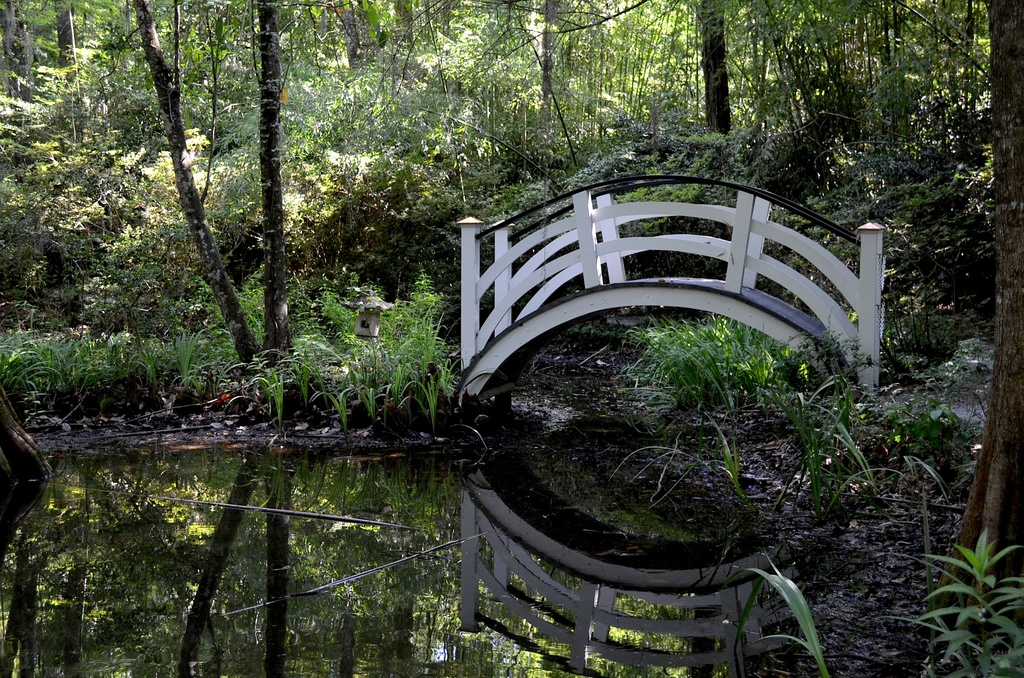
x=278 y=537
x=713 y=63
x=65 y=36
x=214 y=272
x=276 y=337
x=16 y=56
x=996 y=502
x=547 y=87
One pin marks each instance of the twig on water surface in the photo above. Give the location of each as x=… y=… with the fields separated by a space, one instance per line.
x=285 y=512
x=346 y=580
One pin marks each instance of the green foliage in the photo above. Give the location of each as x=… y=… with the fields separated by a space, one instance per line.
x=363 y=210
x=405 y=379
x=830 y=461
x=930 y=429
x=795 y=601
x=979 y=621
x=715 y=363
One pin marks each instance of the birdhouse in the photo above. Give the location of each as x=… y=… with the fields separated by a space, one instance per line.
x=368 y=307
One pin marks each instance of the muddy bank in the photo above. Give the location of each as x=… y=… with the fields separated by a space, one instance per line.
x=860 y=569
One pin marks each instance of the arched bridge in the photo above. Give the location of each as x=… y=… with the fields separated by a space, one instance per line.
x=582 y=254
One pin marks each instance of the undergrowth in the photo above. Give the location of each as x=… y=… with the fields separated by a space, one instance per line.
x=849 y=444
x=403 y=379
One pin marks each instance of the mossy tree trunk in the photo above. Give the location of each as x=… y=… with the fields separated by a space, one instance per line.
x=20 y=457
x=276 y=336
x=996 y=502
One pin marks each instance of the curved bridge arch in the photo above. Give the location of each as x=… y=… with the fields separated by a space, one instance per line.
x=497 y=368
x=512 y=307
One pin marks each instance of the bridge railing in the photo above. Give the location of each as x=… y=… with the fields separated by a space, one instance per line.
x=580 y=237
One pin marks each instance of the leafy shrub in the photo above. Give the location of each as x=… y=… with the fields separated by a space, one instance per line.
x=929 y=430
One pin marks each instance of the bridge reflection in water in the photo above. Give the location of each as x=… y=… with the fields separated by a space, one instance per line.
x=607 y=593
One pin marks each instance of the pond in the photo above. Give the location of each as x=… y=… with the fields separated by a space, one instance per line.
x=533 y=559
x=137 y=565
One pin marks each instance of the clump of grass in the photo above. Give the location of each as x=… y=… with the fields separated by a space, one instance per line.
x=830 y=461
x=717 y=363
x=403 y=379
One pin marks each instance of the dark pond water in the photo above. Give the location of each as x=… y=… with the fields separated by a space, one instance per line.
x=549 y=565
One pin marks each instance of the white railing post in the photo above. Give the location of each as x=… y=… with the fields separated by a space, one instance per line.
x=610 y=231
x=501 y=283
x=470 y=598
x=735 y=274
x=586 y=231
x=581 y=636
x=470 y=299
x=869 y=310
x=755 y=241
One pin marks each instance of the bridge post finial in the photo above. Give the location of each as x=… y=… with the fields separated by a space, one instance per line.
x=470 y=227
x=869 y=313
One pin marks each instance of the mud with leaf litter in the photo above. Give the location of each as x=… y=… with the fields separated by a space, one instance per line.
x=861 y=569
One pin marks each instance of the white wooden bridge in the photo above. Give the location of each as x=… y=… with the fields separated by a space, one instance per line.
x=574 y=258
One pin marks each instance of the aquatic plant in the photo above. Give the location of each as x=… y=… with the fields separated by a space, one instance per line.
x=339 y=401
x=797 y=604
x=188 y=361
x=730 y=452
x=272 y=384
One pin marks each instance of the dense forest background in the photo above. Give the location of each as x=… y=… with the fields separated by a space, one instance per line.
x=401 y=118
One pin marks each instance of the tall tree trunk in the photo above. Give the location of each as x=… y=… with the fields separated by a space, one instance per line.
x=65 y=36
x=16 y=56
x=276 y=337
x=278 y=537
x=214 y=272
x=996 y=502
x=547 y=87
x=355 y=30
x=21 y=640
x=716 y=75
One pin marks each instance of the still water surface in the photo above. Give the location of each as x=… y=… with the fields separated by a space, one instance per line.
x=132 y=565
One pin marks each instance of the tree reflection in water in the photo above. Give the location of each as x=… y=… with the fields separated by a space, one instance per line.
x=19 y=646
x=109 y=577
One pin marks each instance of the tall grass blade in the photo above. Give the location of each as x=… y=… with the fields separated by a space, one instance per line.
x=796 y=602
